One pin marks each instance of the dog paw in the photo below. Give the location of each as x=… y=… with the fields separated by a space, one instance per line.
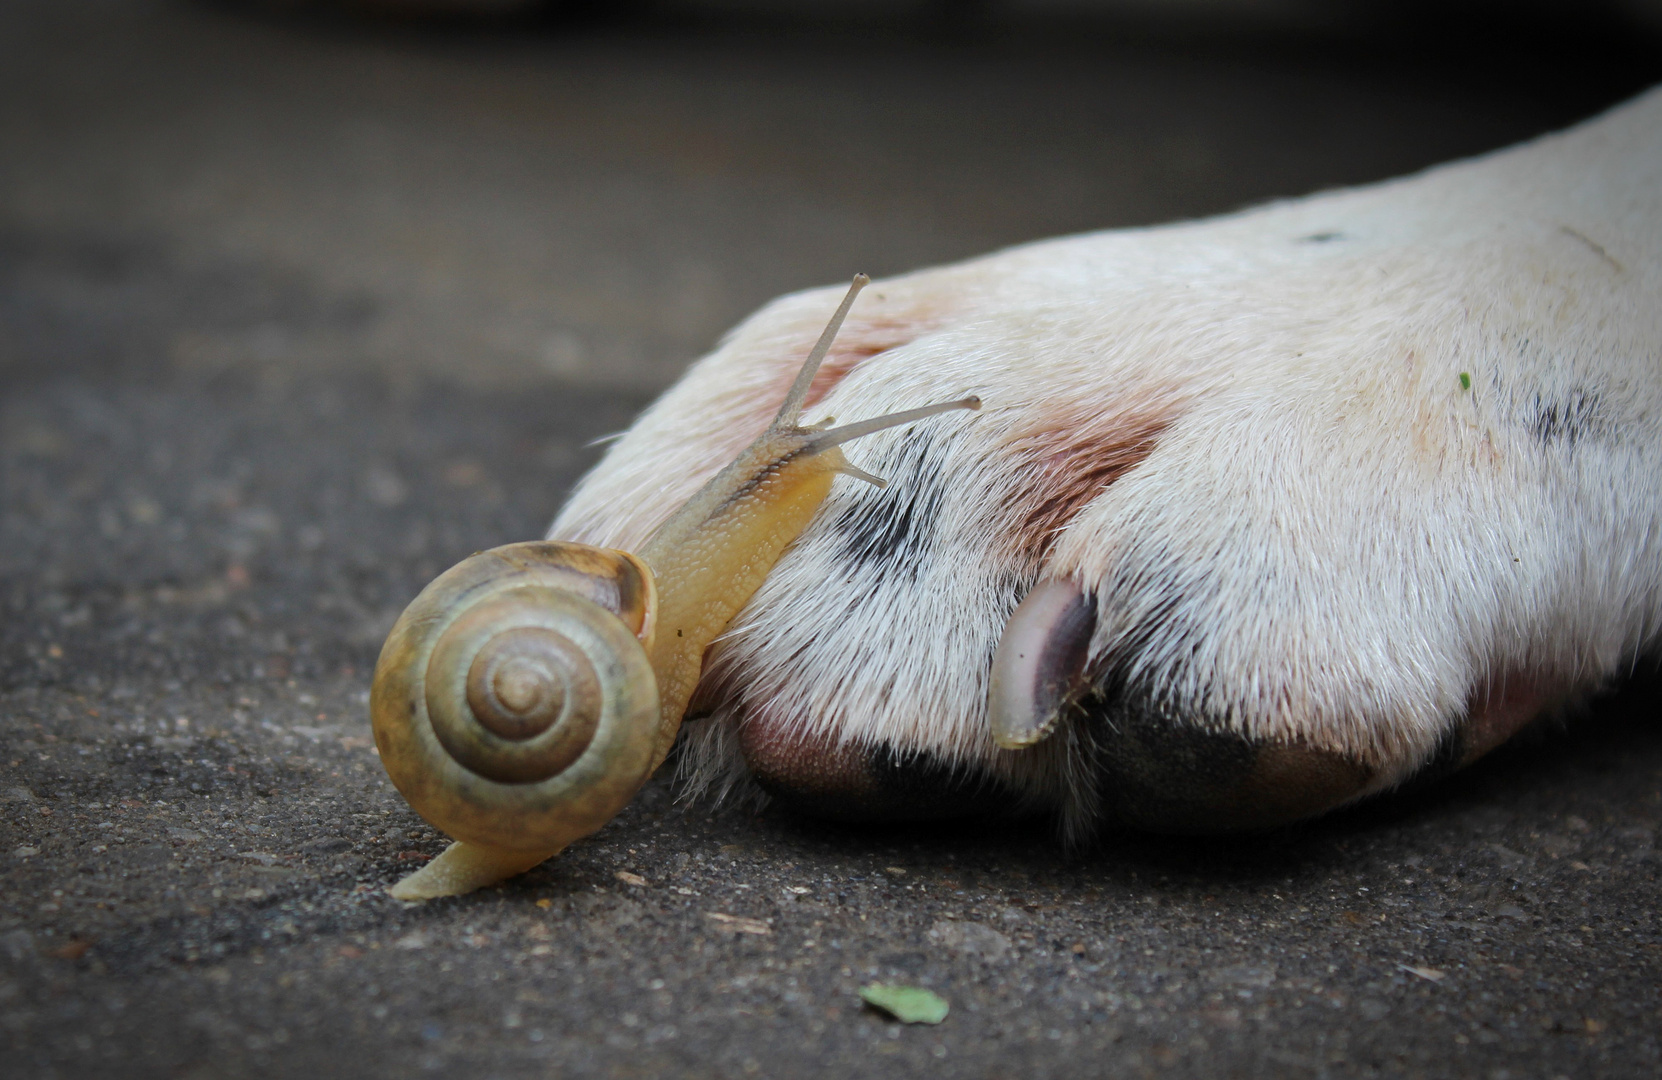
x=1261 y=515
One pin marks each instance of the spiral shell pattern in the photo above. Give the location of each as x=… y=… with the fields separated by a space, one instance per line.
x=513 y=704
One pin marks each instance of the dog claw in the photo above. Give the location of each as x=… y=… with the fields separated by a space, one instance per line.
x=1039 y=665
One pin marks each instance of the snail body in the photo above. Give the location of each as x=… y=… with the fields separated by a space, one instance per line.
x=527 y=693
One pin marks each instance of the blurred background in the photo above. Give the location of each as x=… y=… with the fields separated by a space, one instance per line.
x=508 y=191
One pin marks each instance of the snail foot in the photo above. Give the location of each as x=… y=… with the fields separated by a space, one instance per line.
x=463 y=867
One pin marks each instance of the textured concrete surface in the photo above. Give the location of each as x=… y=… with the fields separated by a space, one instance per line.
x=295 y=313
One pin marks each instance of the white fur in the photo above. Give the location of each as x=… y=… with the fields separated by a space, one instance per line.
x=1332 y=540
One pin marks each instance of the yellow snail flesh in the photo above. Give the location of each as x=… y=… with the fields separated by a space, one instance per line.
x=527 y=693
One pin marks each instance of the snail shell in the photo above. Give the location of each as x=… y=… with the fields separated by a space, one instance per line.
x=514 y=704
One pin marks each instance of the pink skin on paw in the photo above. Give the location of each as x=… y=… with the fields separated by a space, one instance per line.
x=817 y=775
x=810 y=766
x=1072 y=456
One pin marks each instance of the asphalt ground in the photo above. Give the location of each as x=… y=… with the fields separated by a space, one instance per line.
x=296 y=311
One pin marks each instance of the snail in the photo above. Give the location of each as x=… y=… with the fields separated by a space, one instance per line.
x=527 y=693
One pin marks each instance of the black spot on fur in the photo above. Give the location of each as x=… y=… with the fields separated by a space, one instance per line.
x=1322 y=238
x=1567 y=420
x=893 y=528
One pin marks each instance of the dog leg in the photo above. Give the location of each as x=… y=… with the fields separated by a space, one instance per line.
x=1339 y=489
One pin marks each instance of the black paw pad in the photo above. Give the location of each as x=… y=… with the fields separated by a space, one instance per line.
x=1162 y=773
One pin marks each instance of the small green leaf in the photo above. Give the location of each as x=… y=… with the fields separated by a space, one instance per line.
x=908 y=1004
x=1465 y=380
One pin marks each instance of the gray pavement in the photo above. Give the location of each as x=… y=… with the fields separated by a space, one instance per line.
x=296 y=312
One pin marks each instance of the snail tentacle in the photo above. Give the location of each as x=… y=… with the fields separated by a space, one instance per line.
x=822 y=440
x=790 y=410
